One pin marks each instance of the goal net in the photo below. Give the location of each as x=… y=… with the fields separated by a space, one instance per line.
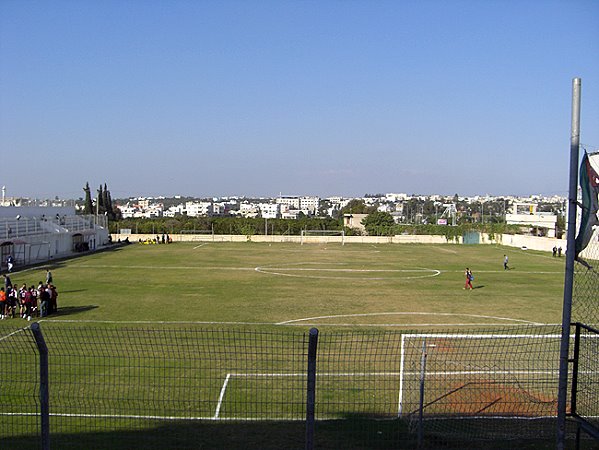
x=199 y=235
x=322 y=237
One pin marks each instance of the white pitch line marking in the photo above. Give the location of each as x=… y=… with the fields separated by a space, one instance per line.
x=106 y=266
x=285 y=272
x=221 y=396
x=287 y=322
x=12 y=334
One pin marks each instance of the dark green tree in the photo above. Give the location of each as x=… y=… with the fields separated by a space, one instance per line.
x=113 y=213
x=100 y=209
x=105 y=200
x=357 y=206
x=378 y=223
x=87 y=204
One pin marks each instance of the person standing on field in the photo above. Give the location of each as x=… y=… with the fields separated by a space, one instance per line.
x=44 y=296
x=469 y=278
x=12 y=301
x=7 y=282
x=505 y=260
x=3 y=307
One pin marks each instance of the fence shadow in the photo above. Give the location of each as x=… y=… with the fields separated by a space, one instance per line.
x=353 y=432
x=69 y=310
x=177 y=435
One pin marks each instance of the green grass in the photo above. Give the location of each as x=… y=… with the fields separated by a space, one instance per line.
x=174 y=370
x=219 y=283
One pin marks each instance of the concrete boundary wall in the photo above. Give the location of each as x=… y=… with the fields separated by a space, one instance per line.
x=510 y=240
x=533 y=242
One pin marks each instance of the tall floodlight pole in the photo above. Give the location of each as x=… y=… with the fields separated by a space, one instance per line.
x=569 y=277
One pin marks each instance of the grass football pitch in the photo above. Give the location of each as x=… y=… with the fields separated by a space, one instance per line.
x=309 y=285
x=262 y=286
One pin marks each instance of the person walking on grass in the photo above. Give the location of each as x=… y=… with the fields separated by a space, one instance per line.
x=505 y=260
x=469 y=278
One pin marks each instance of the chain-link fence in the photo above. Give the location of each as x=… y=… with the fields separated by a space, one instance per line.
x=19 y=385
x=585 y=306
x=169 y=386
x=585 y=303
x=585 y=354
x=585 y=380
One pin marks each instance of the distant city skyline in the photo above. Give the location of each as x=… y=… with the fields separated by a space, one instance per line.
x=6 y=199
x=256 y=98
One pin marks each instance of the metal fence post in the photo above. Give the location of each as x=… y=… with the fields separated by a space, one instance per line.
x=421 y=404
x=311 y=388
x=44 y=391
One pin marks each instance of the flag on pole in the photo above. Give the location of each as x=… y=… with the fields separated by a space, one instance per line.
x=589 y=183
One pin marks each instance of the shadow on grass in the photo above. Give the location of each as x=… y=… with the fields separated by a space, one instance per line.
x=178 y=435
x=353 y=432
x=69 y=310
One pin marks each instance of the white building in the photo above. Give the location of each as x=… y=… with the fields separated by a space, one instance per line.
x=270 y=210
x=38 y=234
x=306 y=203
x=310 y=203
x=292 y=202
x=173 y=211
x=250 y=210
x=526 y=215
x=386 y=207
x=127 y=211
x=195 y=209
x=396 y=197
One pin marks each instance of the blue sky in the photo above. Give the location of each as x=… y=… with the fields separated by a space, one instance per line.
x=257 y=98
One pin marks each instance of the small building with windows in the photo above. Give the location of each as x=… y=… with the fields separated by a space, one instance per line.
x=354 y=221
x=536 y=223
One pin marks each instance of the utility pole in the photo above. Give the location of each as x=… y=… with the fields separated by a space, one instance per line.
x=562 y=395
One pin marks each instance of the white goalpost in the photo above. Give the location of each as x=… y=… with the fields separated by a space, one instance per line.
x=322 y=237
x=199 y=235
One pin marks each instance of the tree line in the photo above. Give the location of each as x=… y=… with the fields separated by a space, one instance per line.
x=376 y=224
x=103 y=204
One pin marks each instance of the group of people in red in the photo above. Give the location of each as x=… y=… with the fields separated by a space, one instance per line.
x=29 y=301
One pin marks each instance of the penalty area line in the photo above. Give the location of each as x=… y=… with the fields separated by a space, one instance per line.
x=221 y=396
x=478 y=316
x=13 y=333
